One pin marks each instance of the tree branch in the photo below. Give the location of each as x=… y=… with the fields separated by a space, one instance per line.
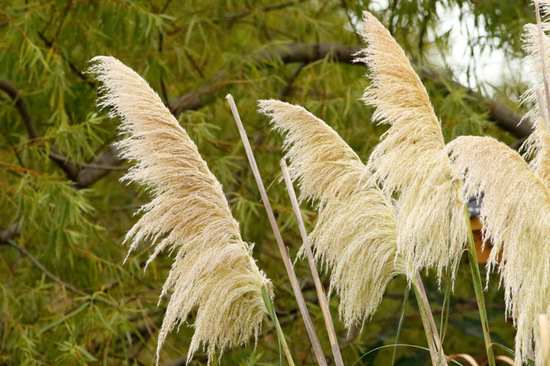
x=87 y=174
x=21 y=107
x=40 y=266
x=83 y=175
x=106 y=162
x=231 y=18
x=9 y=233
x=61 y=160
x=310 y=52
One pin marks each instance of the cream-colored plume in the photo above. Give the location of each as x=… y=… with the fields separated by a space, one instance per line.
x=213 y=271
x=355 y=234
x=538 y=143
x=515 y=213
x=409 y=161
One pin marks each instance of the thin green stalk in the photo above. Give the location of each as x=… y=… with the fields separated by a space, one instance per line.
x=478 y=288
x=432 y=336
x=282 y=340
x=401 y=319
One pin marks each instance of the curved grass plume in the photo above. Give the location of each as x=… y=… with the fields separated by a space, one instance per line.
x=355 y=235
x=537 y=46
x=213 y=270
x=515 y=213
x=410 y=162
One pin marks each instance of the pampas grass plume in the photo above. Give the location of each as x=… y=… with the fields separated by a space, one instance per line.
x=431 y=225
x=515 y=214
x=538 y=143
x=213 y=271
x=355 y=234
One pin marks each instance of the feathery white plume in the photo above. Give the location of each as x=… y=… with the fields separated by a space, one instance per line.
x=409 y=161
x=515 y=213
x=355 y=234
x=538 y=143
x=213 y=271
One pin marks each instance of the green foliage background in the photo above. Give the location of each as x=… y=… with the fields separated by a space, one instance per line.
x=205 y=49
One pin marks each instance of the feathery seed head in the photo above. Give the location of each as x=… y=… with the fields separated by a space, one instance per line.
x=515 y=214
x=355 y=234
x=409 y=161
x=538 y=143
x=213 y=271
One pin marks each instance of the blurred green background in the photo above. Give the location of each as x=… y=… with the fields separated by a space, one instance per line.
x=66 y=298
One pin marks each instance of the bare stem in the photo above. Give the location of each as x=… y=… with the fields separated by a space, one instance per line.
x=318 y=286
x=478 y=288
x=543 y=112
x=284 y=251
x=432 y=335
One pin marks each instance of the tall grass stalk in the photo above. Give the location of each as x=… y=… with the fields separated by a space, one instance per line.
x=282 y=248
x=266 y=296
x=432 y=335
x=323 y=303
x=544 y=338
x=478 y=289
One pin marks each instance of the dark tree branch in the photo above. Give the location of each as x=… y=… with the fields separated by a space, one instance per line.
x=40 y=266
x=310 y=52
x=106 y=162
x=218 y=85
x=200 y=97
x=9 y=233
x=299 y=52
x=72 y=66
x=21 y=107
x=231 y=18
x=286 y=89
x=32 y=132
x=505 y=118
x=508 y=120
x=83 y=176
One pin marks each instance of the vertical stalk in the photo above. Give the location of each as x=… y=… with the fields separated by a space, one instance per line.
x=432 y=336
x=544 y=338
x=282 y=248
x=269 y=306
x=311 y=260
x=478 y=288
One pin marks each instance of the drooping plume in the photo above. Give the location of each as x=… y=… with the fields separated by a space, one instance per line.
x=355 y=234
x=213 y=271
x=409 y=161
x=538 y=143
x=515 y=213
